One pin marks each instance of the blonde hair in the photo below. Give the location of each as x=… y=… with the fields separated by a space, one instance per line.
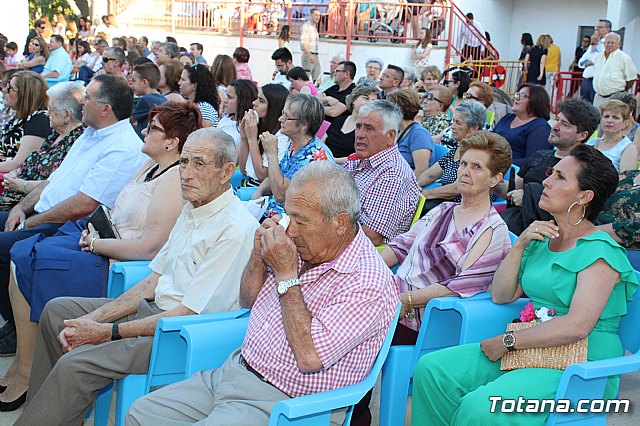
x=32 y=90
x=618 y=107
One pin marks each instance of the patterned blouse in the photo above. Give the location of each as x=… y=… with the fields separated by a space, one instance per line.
x=622 y=210
x=437 y=124
x=41 y=163
x=434 y=249
x=294 y=161
x=35 y=124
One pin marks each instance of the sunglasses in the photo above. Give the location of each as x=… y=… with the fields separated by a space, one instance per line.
x=105 y=59
x=431 y=97
x=468 y=95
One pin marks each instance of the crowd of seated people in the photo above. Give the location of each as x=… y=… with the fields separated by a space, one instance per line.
x=153 y=136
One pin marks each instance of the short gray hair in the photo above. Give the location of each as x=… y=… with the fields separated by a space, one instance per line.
x=171 y=49
x=223 y=147
x=474 y=113
x=66 y=96
x=390 y=114
x=376 y=60
x=340 y=57
x=338 y=190
x=310 y=111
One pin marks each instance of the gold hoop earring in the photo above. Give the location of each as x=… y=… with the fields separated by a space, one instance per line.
x=584 y=212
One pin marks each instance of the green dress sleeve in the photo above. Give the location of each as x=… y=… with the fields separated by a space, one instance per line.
x=588 y=250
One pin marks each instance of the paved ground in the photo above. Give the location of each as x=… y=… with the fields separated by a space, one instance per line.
x=630 y=389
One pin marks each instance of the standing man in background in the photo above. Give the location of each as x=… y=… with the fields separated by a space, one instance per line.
x=309 y=45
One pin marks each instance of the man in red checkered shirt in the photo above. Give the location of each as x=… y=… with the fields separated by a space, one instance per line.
x=322 y=302
x=388 y=188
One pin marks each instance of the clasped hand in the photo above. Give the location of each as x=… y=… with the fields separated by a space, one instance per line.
x=78 y=332
x=493 y=348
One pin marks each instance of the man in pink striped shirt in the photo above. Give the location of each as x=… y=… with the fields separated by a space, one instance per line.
x=322 y=302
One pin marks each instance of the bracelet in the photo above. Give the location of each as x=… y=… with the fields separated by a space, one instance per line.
x=411 y=313
x=93 y=239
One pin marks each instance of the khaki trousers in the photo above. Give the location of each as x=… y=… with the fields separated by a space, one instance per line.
x=63 y=385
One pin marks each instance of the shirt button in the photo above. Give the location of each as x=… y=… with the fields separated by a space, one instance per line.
x=265 y=326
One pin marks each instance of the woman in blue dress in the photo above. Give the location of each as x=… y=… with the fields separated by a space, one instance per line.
x=38 y=55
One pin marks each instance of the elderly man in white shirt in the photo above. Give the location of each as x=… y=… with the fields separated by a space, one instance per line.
x=614 y=70
x=99 y=164
x=83 y=344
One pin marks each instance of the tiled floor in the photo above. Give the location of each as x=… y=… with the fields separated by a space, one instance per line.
x=630 y=389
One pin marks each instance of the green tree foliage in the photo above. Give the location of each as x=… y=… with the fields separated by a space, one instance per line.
x=48 y=8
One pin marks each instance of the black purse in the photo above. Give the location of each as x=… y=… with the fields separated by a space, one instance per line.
x=102 y=222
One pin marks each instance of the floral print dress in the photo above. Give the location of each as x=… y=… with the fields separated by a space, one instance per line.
x=294 y=161
x=622 y=210
x=41 y=163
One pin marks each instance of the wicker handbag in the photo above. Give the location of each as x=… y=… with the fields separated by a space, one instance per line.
x=556 y=357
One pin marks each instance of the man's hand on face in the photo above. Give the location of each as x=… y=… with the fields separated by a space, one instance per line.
x=278 y=251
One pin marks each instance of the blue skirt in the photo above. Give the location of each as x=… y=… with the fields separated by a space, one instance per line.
x=52 y=267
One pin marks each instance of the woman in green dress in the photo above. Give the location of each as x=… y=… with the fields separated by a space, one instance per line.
x=566 y=264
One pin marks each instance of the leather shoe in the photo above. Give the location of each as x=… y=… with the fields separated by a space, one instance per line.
x=8 y=344
x=15 y=404
x=7 y=328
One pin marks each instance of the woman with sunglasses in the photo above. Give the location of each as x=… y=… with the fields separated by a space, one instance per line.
x=526 y=127
x=264 y=117
x=434 y=105
x=26 y=131
x=197 y=85
x=38 y=55
x=144 y=214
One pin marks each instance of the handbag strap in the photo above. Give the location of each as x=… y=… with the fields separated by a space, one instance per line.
x=404 y=132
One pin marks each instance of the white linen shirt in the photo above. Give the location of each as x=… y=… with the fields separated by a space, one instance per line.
x=201 y=263
x=612 y=73
x=99 y=164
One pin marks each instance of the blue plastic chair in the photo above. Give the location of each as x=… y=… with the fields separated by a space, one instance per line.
x=513 y=169
x=237 y=178
x=439 y=152
x=246 y=192
x=209 y=345
x=484 y=319
x=444 y=324
x=124 y=275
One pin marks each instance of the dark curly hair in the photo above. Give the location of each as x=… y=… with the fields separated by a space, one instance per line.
x=596 y=174
x=206 y=90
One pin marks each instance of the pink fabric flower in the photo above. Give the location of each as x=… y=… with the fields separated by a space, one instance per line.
x=528 y=313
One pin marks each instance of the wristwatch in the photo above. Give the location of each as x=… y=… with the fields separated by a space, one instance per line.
x=114 y=332
x=509 y=340
x=284 y=286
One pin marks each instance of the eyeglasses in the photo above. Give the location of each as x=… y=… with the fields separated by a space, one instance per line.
x=11 y=89
x=105 y=59
x=468 y=95
x=370 y=67
x=151 y=127
x=518 y=96
x=287 y=118
x=430 y=96
x=42 y=28
x=445 y=82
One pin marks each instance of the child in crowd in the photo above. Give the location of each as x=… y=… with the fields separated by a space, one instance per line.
x=12 y=56
x=146 y=78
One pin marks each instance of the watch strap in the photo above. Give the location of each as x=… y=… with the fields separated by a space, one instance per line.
x=114 y=332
